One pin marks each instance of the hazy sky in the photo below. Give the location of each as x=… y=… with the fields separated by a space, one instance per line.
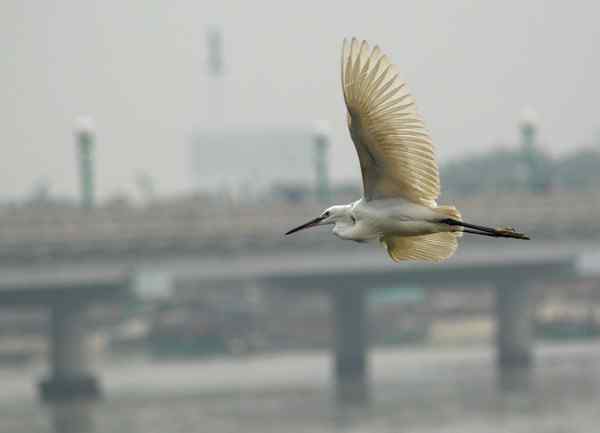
x=139 y=68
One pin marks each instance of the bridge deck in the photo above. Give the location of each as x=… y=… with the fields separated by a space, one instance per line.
x=45 y=286
x=367 y=267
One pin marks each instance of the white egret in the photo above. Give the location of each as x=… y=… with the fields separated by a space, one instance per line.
x=399 y=172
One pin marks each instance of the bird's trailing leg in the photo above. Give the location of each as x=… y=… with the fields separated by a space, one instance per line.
x=504 y=232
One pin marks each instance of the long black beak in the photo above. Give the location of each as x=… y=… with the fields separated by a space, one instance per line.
x=311 y=223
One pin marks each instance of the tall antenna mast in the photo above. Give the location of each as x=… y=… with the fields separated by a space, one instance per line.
x=216 y=72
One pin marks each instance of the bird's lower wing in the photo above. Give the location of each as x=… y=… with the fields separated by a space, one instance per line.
x=395 y=151
x=431 y=248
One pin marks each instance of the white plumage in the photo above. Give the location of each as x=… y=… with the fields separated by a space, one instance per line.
x=399 y=171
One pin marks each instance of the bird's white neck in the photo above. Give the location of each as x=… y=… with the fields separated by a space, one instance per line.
x=345 y=221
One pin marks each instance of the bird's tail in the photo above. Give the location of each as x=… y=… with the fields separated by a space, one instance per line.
x=452 y=213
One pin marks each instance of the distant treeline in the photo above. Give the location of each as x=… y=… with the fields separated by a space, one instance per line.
x=523 y=170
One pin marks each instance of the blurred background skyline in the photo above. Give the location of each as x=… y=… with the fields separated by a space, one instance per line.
x=142 y=255
x=141 y=70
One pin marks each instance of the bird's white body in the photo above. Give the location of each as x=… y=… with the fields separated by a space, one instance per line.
x=399 y=172
x=364 y=221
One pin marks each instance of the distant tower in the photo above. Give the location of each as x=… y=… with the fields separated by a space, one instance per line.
x=215 y=52
x=85 y=137
x=528 y=125
x=532 y=157
x=322 y=141
x=145 y=186
x=216 y=71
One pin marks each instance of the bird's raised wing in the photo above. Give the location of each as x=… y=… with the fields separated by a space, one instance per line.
x=395 y=151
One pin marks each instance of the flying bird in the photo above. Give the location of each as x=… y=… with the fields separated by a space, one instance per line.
x=399 y=172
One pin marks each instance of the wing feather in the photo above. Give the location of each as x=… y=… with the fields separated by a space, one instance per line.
x=395 y=150
x=433 y=248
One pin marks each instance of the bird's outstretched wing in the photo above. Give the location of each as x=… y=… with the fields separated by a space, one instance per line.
x=395 y=151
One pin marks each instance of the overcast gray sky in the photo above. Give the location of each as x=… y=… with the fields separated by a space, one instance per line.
x=139 y=68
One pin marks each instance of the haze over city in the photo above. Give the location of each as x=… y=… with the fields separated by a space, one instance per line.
x=177 y=175
x=140 y=70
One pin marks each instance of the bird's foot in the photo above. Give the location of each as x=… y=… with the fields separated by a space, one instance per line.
x=510 y=232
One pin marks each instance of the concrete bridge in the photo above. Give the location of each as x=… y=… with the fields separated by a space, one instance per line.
x=66 y=294
x=345 y=276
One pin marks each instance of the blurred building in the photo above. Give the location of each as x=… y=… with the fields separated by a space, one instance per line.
x=246 y=162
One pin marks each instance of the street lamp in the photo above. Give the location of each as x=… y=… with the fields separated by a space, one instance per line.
x=322 y=134
x=85 y=138
x=528 y=125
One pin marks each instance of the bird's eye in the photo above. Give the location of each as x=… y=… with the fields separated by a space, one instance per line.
x=326 y=214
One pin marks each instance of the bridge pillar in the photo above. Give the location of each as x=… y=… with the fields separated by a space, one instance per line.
x=514 y=336
x=351 y=346
x=73 y=416
x=70 y=377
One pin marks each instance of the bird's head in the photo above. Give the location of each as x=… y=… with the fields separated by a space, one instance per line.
x=331 y=215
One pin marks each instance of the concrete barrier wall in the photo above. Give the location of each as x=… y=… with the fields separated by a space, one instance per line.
x=196 y=224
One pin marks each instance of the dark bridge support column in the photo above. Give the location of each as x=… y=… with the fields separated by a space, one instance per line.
x=514 y=336
x=70 y=387
x=351 y=346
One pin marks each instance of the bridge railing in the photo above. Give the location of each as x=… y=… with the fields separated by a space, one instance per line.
x=35 y=231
